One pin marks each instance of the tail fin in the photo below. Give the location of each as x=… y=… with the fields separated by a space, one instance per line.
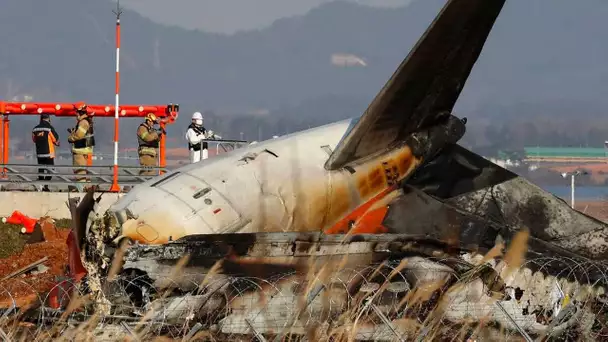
x=427 y=83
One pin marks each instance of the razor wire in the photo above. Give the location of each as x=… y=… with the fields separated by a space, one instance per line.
x=419 y=300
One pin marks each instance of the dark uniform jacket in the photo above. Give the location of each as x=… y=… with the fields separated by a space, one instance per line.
x=46 y=138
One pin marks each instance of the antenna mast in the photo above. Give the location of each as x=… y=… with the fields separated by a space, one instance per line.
x=117 y=12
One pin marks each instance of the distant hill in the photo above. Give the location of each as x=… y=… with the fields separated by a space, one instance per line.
x=67 y=53
x=283 y=64
x=543 y=56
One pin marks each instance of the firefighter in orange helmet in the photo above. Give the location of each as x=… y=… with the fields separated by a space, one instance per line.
x=148 y=139
x=82 y=138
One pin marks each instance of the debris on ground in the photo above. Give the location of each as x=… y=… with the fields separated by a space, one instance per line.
x=16 y=254
x=40 y=269
x=26 y=269
x=19 y=218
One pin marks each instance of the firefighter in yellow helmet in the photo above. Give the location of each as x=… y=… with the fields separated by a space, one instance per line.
x=148 y=139
x=83 y=140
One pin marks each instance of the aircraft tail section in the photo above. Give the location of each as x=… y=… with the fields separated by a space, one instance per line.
x=426 y=85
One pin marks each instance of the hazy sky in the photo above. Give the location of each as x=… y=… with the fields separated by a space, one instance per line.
x=228 y=16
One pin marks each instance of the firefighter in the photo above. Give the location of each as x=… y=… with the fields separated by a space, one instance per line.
x=82 y=139
x=45 y=138
x=148 y=139
x=194 y=135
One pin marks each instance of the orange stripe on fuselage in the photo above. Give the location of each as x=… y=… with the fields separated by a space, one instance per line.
x=382 y=179
x=367 y=221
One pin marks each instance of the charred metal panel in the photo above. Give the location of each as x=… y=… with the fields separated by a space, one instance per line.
x=416 y=213
x=520 y=204
x=428 y=142
x=456 y=171
x=476 y=186
x=426 y=85
x=257 y=255
x=432 y=221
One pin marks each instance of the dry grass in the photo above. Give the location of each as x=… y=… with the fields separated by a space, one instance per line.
x=355 y=319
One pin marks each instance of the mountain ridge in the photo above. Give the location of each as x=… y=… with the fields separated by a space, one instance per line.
x=540 y=57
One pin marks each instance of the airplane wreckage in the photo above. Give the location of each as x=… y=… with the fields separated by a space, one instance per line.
x=376 y=208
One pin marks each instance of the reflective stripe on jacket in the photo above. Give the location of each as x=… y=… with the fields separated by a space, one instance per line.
x=148 y=140
x=147 y=137
x=83 y=137
x=45 y=138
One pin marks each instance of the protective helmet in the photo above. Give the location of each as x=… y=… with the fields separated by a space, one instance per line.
x=44 y=116
x=81 y=110
x=80 y=106
x=151 y=117
x=197 y=117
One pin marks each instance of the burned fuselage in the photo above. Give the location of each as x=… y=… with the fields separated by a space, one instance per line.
x=441 y=234
x=458 y=263
x=300 y=216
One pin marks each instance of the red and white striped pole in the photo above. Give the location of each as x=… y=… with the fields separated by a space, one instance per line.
x=115 y=187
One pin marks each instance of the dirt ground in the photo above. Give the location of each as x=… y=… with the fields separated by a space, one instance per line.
x=16 y=254
x=597 y=209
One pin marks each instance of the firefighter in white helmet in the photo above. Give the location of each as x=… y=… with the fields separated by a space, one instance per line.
x=195 y=134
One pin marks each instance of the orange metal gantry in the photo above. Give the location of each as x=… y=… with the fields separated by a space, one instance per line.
x=167 y=113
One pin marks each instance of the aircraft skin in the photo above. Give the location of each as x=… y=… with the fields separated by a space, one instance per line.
x=327 y=178
x=276 y=185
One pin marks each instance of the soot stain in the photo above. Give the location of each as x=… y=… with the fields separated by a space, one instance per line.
x=534 y=215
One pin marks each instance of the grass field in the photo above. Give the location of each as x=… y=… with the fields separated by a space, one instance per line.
x=12 y=240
